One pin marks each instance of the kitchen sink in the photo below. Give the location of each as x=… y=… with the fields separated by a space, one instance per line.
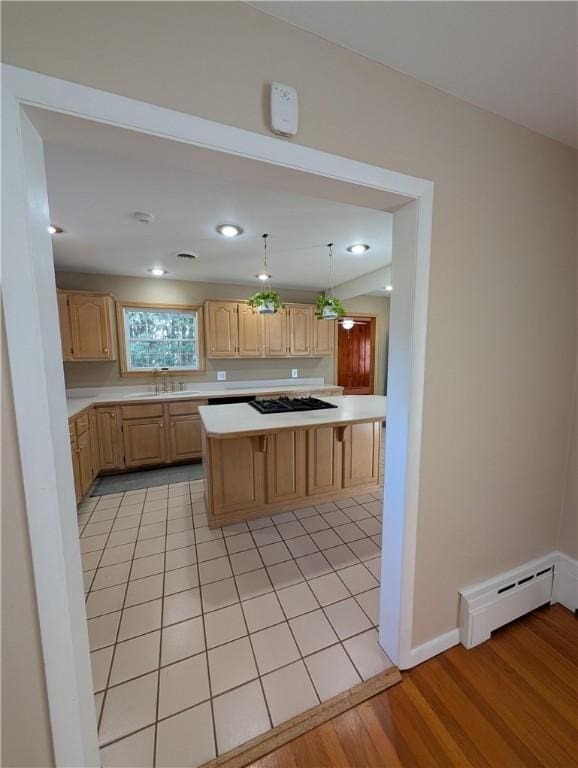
x=161 y=395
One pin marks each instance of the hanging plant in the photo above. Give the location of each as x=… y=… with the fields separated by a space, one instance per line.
x=329 y=307
x=265 y=302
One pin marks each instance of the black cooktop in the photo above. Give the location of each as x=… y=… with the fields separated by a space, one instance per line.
x=290 y=404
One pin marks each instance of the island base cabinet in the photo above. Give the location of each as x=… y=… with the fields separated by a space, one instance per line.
x=361 y=454
x=235 y=474
x=251 y=476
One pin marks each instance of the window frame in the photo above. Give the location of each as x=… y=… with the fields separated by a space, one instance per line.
x=122 y=347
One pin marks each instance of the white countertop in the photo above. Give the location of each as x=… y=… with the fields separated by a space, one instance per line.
x=224 y=421
x=77 y=404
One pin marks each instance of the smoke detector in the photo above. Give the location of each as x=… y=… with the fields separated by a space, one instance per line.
x=189 y=256
x=144 y=217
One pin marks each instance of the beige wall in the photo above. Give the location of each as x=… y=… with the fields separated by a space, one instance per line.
x=26 y=733
x=501 y=334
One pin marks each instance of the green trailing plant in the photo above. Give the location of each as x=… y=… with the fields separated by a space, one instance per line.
x=265 y=297
x=331 y=302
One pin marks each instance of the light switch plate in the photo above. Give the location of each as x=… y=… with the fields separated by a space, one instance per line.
x=294 y=373
x=221 y=375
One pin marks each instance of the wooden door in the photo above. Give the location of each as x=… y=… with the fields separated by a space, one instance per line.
x=323 y=337
x=251 y=341
x=109 y=438
x=276 y=334
x=144 y=441
x=361 y=454
x=300 y=330
x=222 y=328
x=324 y=460
x=65 y=331
x=184 y=438
x=90 y=322
x=356 y=357
x=236 y=474
x=285 y=460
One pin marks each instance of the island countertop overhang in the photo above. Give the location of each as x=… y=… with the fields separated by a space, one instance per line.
x=240 y=419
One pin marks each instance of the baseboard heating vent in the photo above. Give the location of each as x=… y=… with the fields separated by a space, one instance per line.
x=493 y=603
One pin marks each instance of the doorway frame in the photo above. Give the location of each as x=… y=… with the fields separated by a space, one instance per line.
x=50 y=502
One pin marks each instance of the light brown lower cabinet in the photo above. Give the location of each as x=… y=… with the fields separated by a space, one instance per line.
x=144 y=441
x=109 y=437
x=258 y=475
x=184 y=438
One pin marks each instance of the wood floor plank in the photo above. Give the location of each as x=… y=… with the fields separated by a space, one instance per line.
x=509 y=703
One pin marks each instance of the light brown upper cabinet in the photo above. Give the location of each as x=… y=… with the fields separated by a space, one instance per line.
x=323 y=337
x=300 y=330
x=251 y=327
x=276 y=334
x=222 y=328
x=86 y=325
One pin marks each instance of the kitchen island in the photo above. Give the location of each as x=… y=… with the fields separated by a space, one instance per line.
x=260 y=464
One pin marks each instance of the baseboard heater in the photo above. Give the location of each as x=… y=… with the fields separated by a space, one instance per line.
x=493 y=603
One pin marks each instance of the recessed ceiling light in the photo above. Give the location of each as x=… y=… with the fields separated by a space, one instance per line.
x=389 y=288
x=358 y=249
x=230 y=230
x=189 y=256
x=54 y=230
x=157 y=271
x=144 y=217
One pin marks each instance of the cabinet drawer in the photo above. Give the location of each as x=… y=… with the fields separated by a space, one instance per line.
x=142 y=411
x=186 y=408
x=82 y=424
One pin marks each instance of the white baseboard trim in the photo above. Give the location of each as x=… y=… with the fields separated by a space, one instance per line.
x=430 y=649
x=565 y=584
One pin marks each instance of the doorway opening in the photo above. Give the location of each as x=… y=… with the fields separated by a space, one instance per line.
x=34 y=345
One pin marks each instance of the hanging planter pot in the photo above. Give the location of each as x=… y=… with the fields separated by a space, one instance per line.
x=329 y=308
x=265 y=302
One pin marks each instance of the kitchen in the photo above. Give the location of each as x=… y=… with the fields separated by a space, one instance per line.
x=231 y=552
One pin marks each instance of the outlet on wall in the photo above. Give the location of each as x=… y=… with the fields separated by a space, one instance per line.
x=221 y=375
x=294 y=373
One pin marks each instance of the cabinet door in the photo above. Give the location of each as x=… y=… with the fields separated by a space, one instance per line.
x=250 y=332
x=276 y=334
x=222 y=331
x=95 y=454
x=64 y=319
x=237 y=474
x=90 y=322
x=361 y=454
x=300 y=330
x=144 y=442
x=185 y=438
x=285 y=459
x=323 y=337
x=85 y=462
x=324 y=461
x=109 y=444
x=75 y=462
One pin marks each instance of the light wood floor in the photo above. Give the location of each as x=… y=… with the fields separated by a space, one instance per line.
x=510 y=703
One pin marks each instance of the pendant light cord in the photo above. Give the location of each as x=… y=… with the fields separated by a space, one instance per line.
x=330 y=246
x=265 y=269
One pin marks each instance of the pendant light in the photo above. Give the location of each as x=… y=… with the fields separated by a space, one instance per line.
x=264 y=273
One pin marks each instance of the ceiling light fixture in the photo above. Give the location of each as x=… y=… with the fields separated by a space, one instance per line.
x=157 y=271
x=143 y=217
x=230 y=230
x=358 y=248
x=54 y=230
x=348 y=324
x=389 y=287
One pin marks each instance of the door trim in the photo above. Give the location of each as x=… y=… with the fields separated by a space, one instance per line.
x=32 y=321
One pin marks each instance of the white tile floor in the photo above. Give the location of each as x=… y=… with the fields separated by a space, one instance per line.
x=202 y=639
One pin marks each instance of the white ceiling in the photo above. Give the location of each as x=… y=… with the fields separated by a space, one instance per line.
x=98 y=175
x=516 y=59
